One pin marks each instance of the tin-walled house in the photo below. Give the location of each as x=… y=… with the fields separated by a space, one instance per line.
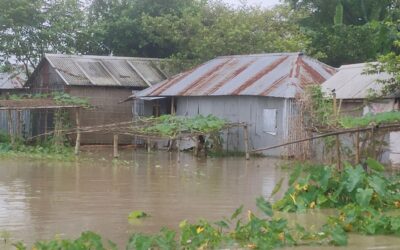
x=259 y=90
x=103 y=80
x=353 y=88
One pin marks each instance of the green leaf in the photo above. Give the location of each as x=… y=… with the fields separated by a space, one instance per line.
x=295 y=174
x=375 y=165
x=378 y=184
x=222 y=224
x=237 y=212
x=264 y=206
x=137 y=215
x=277 y=187
x=363 y=196
x=354 y=176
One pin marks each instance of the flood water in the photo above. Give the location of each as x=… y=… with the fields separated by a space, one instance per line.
x=42 y=199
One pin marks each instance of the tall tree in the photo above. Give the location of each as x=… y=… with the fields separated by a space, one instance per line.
x=348 y=31
x=30 y=28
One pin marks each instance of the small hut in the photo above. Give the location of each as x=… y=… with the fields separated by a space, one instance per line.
x=353 y=89
x=103 y=80
x=259 y=90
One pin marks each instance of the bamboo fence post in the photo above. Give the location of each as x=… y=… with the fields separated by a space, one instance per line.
x=358 y=147
x=178 y=150
x=19 y=124
x=246 y=141
x=45 y=124
x=116 y=155
x=196 y=147
x=173 y=106
x=338 y=152
x=78 y=132
x=10 y=128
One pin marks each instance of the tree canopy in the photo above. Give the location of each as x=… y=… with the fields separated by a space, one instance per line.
x=192 y=31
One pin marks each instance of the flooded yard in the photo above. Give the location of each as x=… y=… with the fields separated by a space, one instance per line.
x=42 y=199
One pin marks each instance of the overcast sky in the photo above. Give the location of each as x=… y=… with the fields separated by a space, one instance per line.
x=264 y=3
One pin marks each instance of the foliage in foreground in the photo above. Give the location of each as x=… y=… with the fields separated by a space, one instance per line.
x=255 y=232
x=326 y=187
x=364 y=197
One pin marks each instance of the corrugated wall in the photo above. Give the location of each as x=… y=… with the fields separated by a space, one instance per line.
x=25 y=118
x=247 y=109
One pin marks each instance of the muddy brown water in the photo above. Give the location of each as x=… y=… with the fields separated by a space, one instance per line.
x=46 y=199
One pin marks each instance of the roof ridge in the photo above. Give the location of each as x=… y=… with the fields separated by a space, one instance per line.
x=104 y=57
x=263 y=54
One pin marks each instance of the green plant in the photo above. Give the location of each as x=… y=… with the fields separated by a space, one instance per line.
x=327 y=187
x=170 y=125
x=370 y=119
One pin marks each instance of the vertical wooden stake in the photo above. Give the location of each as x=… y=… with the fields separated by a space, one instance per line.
x=172 y=106
x=373 y=148
x=196 y=147
x=334 y=105
x=10 y=126
x=19 y=124
x=45 y=124
x=148 y=145
x=116 y=155
x=358 y=147
x=178 y=150
x=78 y=132
x=338 y=153
x=246 y=141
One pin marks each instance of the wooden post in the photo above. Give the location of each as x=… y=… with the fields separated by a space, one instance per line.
x=178 y=150
x=246 y=141
x=45 y=124
x=10 y=126
x=196 y=147
x=148 y=145
x=358 y=147
x=373 y=148
x=19 y=124
x=116 y=155
x=78 y=131
x=338 y=153
x=173 y=106
x=334 y=105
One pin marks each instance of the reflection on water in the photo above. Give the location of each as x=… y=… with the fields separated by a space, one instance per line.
x=41 y=199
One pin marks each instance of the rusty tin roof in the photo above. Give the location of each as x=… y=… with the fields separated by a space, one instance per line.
x=15 y=80
x=351 y=83
x=277 y=75
x=90 y=70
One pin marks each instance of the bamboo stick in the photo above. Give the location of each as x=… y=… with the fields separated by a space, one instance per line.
x=178 y=150
x=338 y=156
x=19 y=124
x=10 y=126
x=357 y=147
x=45 y=124
x=78 y=132
x=115 y=143
x=395 y=127
x=246 y=141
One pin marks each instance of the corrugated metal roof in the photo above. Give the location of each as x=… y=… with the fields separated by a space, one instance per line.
x=278 y=75
x=12 y=80
x=351 y=83
x=107 y=70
